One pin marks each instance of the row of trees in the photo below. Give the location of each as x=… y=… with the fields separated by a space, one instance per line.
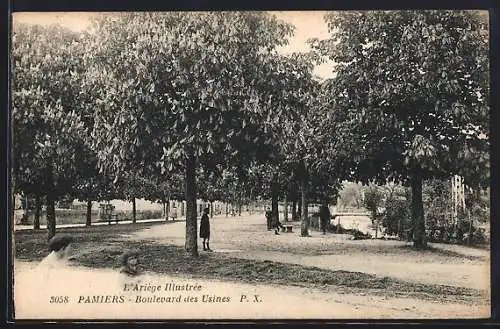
x=203 y=104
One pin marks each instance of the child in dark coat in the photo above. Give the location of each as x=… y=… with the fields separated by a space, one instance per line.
x=205 y=230
x=269 y=214
x=324 y=216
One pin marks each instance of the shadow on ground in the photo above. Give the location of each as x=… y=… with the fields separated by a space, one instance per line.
x=102 y=247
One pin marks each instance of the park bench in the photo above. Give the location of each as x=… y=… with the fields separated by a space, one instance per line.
x=108 y=214
x=287 y=228
x=113 y=217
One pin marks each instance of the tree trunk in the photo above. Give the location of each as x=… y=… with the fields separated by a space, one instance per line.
x=227 y=208
x=374 y=223
x=299 y=207
x=13 y=200
x=417 y=211
x=294 y=210
x=168 y=206
x=285 y=210
x=38 y=210
x=251 y=202
x=211 y=209
x=469 y=237
x=164 y=207
x=26 y=211
x=239 y=205
x=399 y=228
x=182 y=209
x=88 y=223
x=304 y=225
x=191 y=245
x=274 y=201
x=133 y=211
x=51 y=208
x=324 y=223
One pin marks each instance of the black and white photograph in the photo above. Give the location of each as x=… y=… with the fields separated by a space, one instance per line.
x=250 y=165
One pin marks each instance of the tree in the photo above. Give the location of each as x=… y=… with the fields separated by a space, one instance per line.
x=91 y=185
x=325 y=186
x=395 y=217
x=47 y=126
x=163 y=189
x=350 y=195
x=293 y=126
x=373 y=200
x=179 y=86
x=411 y=89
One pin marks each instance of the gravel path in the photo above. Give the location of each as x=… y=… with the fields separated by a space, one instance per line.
x=81 y=285
x=246 y=237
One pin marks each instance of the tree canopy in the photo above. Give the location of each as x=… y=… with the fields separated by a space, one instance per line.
x=192 y=105
x=411 y=90
x=416 y=85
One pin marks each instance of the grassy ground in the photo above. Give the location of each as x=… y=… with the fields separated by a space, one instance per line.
x=101 y=247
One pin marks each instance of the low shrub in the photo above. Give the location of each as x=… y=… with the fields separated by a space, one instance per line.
x=355 y=233
x=139 y=215
x=457 y=235
x=63 y=216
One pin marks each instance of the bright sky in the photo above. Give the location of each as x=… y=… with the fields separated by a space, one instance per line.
x=308 y=24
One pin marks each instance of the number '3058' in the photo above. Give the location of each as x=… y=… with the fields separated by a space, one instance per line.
x=59 y=299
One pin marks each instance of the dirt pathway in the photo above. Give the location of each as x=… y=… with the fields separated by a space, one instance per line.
x=82 y=286
x=246 y=237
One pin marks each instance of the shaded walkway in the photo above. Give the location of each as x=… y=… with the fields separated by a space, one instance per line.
x=246 y=237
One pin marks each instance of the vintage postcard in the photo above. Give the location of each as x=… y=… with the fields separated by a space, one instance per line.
x=250 y=165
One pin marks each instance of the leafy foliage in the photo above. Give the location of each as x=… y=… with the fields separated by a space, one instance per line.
x=413 y=87
x=184 y=81
x=410 y=92
x=373 y=200
x=47 y=125
x=185 y=94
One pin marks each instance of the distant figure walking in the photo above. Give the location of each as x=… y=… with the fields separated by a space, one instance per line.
x=269 y=214
x=324 y=216
x=205 y=230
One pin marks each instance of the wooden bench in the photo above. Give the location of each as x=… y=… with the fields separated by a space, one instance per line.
x=107 y=213
x=113 y=217
x=287 y=228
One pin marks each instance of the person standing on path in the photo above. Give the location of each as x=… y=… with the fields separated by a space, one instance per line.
x=205 y=230
x=324 y=216
x=269 y=214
